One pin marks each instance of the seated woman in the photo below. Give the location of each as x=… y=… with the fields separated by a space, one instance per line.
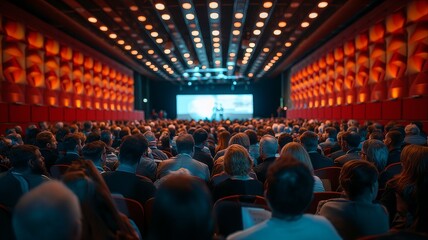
x=237 y=165
x=356 y=215
x=182 y=210
x=298 y=152
x=406 y=195
x=100 y=218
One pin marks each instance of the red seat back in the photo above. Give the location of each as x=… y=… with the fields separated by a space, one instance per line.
x=320 y=196
x=330 y=177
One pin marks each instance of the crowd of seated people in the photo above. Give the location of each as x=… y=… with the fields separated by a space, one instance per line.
x=177 y=169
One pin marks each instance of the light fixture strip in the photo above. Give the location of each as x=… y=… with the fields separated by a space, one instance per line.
x=240 y=6
x=202 y=55
x=215 y=25
x=255 y=38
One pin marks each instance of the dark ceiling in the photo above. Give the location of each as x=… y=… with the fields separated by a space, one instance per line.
x=201 y=41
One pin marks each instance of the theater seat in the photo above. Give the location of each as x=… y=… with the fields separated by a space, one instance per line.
x=132 y=209
x=235 y=213
x=148 y=208
x=330 y=177
x=320 y=196
x=58 y=170
x=6 y=231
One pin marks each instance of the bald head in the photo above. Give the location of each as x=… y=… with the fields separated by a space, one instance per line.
x=268 y=146
x=49 y=211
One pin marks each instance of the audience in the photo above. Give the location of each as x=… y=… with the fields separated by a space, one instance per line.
x=202 y=153
x=268 y=150
x=72 y=146
x=350 y=145
x=413 y=135
x=309 y=140
x=48 y=147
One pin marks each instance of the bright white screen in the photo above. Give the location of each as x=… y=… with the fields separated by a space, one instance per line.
x=221 y=106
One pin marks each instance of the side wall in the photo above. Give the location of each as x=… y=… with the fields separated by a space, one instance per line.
x=376 y=69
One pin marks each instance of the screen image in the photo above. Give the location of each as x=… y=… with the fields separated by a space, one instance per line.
x=215 y=107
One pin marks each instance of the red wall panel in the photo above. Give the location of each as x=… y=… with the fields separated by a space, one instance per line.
x=56 y=114
x=337 y=112
x=359 y=111
x=19 y=113
x=373 y=111
x=90 y=115
x=4 y=112
x=328 y=112
x=81 y=114
x=347 y=112
x=99 y=116
x=415 y=108
x=391 y=109
x=39 y=113
x=70 y=114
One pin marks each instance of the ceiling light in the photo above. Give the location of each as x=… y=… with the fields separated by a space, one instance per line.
x=275 y=58
x=120 y=42
x=232 y=54
x=230 y=67
x=142 y=18
x=277 y=32
x=263 y=15
x=149 y=27
x=304 y=24
x=148 y=63
x=128 y=47
x=186 y=55
x=257 y=32
x=216 y=32
x=133 y=8
x=92 y=20
x=203 y=66
x=159 y=6
x=313 y=15
x=279 y=54
x=217 y=62
x=216 y=50
x=216 y=39
x=282 y=24
x=166 y=16
x=190 y=62
x=152 y=66
x=288 y=44
x=265 y=49
x=155 y=69
x=140 y=56
x=151 y=51
x=195 y=33
x=239 y=15
x=249 y=50
x=322 y=4
x=190 y=16
x=103 y=28
x=196 y=39
x=165 y=66
x=260 y=24
x=187 y=5
x=167 y=51
x=237 y=24
x=198 y=45
x=236 y=32
x=250 y=74
x=267 y=4
x=244 y=62
x=159 y=40
x=252 y=44
x=246 y=58
x=213 y=5
x=214 y=15
x=247 y=54
x=154 y=34
x=134 y=52
x=112 y=35
x=216 y=45
x=173 y=59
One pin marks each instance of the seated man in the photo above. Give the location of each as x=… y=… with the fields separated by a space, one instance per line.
x=184 y=159
x=202 y=153
x=309 y=141
x=393 y=140
x=28 y=171
x=72 y=145
x=289 y=192
x=413 y=135
x=48 y=212
x=155 y=152
x=268 y=149
x=356 y=215
x=350 y=145
x=95 y=152
x=48 y=147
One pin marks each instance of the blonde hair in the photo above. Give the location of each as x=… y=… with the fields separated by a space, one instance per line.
x=237 y=161
x=297 y=151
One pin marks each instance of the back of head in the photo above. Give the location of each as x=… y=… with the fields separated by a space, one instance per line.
x=185 y=143
x=94 y=150
x=106 y=136
x=352 y=139
x=283 y=139
x=297 y=152
x=87 y=126
x=71 y=141
x=332 y=132
x=377 y=153
x=132 y=148
x=357 y=177
x=241 y=139
x=49 y=211
x=309 y=140
x=394 y=138
x=92 y=137
x=21 y=155
x=182 y=210
x=252 y=135
x=237 y=161
x=200 y=136
x=289 y=188
x=414 y=159
x=44 y=138
x=268 y=146
x=412 y=129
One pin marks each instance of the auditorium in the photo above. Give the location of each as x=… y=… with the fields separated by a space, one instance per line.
x=213 y=119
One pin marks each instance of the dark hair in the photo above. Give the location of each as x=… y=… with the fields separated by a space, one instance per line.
x=182 y=210
x=21 y=155
x=61 y=133
x=43 y=138
x=71 y=141
x=132 y=148
x=356 y=176
x=93 y=150
x=106 y=136
x=200 y=135
x=92 y=137
x=332 y=132
x=185 y=143
x=352 y=139
x=87 y=126
x=289 y=187
x=283 y=139
x=252 y=135
x=397 y=138
x=309 y=140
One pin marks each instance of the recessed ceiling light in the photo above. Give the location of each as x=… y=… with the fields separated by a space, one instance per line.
x=165 y=66
x=230 y=67
x=313 y=15
x=159 y=40
x=103 y=28
x=195 y=33
x=216 y=39
x=128 y=47
x=322 y=4
x=275 y=58
x=167 y=51
x=277 y=32
x=247 y=54
x=251 y=44
x=196 y=39
x=214 y=15
x=186 y=55
x=120 y=42
x=232 y=54
x=190 y=16
x=216 y=45
x=249 y=50
x=140 y=56
x=287 y=44
x=217 y=62
x=304 y=24
x=151 y=51
x=260 y=24
x=216 y=50
x=265 y=49
x=213 y=5
x=166 y=16
x=149 y=27
x=159 y=6
x=173 y=59
x=186 y=5
x=152 y=66
x=148 y=63
x=237 y=24
x=263 y=15
x=279 y=54
x=244 y=62
x=92 y=20
x=112 y=35
x=190 y=62
x=155 y=69
x=236 y=32
x=133 y=8
x=267 y=4
x=282 y=24
x=246 y=58
x=142 y=18
x=239 y=15
x=154 y=34
x=134 y=52
x=216 y=32
x=257 y=32
x=198 y=45
x=250 y=74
